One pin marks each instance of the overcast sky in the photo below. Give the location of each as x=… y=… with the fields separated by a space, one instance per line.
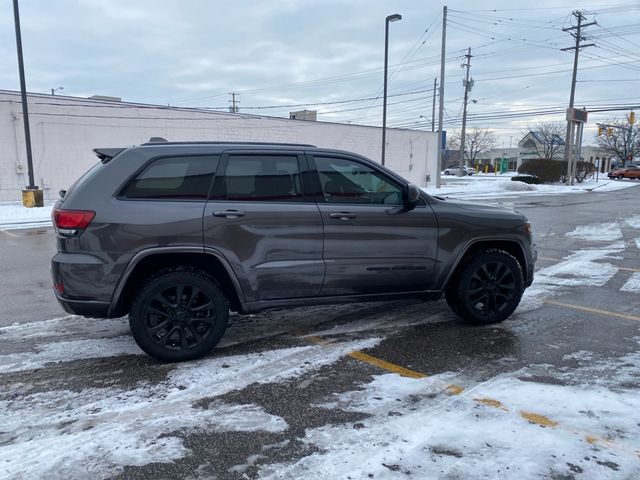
x=328 y=56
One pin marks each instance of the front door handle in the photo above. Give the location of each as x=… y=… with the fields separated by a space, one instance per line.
x=228 y=213
x=342 y=215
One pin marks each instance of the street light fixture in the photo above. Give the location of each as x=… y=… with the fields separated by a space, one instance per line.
x=391 y=18
x=54 y=90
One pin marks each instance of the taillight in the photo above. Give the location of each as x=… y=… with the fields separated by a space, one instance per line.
x=67 y=221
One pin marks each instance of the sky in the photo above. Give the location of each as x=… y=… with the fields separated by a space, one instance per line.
x=328 y=55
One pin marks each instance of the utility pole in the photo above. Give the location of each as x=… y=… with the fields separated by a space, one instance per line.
x=234 y=103
x=441 y=95
x=571 y=126
x=467 y=86
x=23 y=93
x=433 y=108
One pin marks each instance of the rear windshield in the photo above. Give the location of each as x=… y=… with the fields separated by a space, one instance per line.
x=84 y=177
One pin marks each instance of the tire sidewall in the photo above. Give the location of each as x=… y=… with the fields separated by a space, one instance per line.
x=166 y=280
x=464 y=280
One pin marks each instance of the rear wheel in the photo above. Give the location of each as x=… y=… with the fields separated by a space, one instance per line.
x=179 y=315
x=487 y=289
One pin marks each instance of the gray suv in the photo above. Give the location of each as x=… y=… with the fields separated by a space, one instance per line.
x=177 y=234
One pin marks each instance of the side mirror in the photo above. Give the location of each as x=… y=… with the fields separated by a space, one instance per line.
x=413 y=196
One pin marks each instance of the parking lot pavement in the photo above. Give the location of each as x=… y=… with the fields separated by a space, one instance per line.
x=400 y=389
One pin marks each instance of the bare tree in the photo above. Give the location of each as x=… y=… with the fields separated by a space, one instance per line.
x=621 y=140
x=546 y=139
x=477 y=140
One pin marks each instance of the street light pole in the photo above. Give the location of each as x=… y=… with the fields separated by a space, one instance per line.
x=23 y=93
x=391 y=18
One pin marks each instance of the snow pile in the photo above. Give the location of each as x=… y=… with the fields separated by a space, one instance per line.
x=507 y=427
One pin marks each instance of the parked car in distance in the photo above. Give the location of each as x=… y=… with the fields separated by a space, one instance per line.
x=628 y=172
x=454 y=171
x=176 y=234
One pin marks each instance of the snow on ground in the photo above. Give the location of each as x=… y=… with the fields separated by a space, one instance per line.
x=634 y=221
x=582 y=268
x=17 y=216
x=597 y=232
x=488 y=185
x=92 y=433
x=508 y=427
x=633 y=284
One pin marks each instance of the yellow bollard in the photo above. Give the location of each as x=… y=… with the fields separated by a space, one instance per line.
x=32 y=197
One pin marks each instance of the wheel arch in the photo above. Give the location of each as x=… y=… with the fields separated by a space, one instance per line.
x=147 y=262
x=510 y=246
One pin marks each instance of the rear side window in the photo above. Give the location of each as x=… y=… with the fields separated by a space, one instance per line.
x=267 y=178
x=181 y=178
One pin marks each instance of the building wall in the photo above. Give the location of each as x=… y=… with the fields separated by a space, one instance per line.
x=64 y=130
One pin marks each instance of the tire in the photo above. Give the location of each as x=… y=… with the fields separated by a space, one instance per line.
x=487 y=289
x=447 y=172
x=620 y=177
x=173 y=329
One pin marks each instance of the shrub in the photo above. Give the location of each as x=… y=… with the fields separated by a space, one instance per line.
x=530 y=179
x=548 y=171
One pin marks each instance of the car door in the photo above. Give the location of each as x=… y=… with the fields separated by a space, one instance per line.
x=269 y=231
x=372 y=243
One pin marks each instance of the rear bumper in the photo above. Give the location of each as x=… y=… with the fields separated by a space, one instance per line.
x=81 y=284
x=532 y=265
x=84 y=308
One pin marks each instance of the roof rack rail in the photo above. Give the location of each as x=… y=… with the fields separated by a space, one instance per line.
x=162 y=141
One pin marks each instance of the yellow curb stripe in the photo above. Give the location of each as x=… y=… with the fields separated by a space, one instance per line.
x=628 y=269
x=593 y=310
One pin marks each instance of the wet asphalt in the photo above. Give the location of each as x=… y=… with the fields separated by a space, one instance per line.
x=438 y=343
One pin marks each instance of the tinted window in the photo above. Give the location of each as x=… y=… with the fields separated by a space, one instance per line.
x=347 y=181
x=174 y=178
x=273 y=178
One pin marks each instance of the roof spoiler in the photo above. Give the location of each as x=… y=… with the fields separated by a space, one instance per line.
x=106 y=154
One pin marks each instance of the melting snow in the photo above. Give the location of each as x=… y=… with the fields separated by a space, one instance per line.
x=583 y=268
x=598 y=232
x=416 y=430
x=94 y=432
x=633 y=284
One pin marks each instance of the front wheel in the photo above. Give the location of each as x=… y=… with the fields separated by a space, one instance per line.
x=488 y=288
x=179 y=314
x=620 y=177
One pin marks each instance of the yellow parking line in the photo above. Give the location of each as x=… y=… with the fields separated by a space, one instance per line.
x=593 y=310
x=391 y=367
x=628 y=269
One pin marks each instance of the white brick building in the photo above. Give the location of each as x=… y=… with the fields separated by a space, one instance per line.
x=64 y=130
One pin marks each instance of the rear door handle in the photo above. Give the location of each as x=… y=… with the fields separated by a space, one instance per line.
x=228 y=213
x=342 y=215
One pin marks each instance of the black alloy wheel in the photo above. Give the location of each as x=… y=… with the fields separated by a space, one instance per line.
x=179 y=315
x=488 y=288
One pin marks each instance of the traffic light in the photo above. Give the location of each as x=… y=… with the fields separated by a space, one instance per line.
x=632 y=118
x=600 y=130
x=610 y=132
